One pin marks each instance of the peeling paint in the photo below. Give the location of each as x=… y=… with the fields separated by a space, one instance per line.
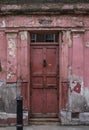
x=10 y=75
x=3 y=23
x=76 y=35
x=78 y=97
x=87 y=44
x=76 y=80
x=69 y=38
x=11 y=35
x=23 y=35
x=12 y=45
x=81 y=23
x=77 y=87
x=76 y=94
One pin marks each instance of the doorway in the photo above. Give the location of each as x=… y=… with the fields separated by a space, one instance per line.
x=44 y=63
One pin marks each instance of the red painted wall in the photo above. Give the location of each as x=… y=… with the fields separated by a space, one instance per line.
x=74 y=51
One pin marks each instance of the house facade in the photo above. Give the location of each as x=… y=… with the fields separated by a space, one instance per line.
x=44 y=48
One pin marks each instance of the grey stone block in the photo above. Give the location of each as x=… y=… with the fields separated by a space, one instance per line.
x=65 y=117
x=84 y=117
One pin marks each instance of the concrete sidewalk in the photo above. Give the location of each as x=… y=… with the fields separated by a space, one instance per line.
x=48 y=127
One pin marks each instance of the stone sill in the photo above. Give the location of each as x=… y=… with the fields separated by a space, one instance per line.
x=51 y=8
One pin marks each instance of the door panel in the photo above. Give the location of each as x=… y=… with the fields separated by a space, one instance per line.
x=37 y=93
x=51 y=86
x=37 y=81
x=36 y=67
x=44 y=81
x=37 y=57
x=37 y=99
x=51 y=100
x=51 y=56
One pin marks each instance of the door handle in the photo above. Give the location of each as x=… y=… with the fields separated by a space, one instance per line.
x=44 y=63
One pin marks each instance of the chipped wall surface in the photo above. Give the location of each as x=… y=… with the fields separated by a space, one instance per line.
x=45 y=21
x=77 y=88
x=73 y=60
x=7 y=97
x=77 y=104
x=8 y=103
x=11 y=56
x=13 y=72
x=23 y=49
x=11 y=45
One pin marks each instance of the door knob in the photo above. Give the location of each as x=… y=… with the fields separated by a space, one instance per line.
x=44 y=63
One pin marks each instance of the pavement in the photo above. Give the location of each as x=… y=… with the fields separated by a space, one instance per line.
x=48 y=127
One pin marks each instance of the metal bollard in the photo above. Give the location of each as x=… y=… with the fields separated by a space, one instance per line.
x=19 y=112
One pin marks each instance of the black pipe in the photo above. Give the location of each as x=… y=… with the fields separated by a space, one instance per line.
x=19 y=112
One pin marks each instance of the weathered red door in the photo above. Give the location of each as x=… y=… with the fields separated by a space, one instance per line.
x=44 y=79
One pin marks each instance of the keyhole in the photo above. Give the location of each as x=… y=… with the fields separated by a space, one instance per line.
x=44 y=63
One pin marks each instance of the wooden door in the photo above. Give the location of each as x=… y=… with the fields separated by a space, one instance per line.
x=44 y=80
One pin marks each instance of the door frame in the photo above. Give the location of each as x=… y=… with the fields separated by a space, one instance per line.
x=29 y=61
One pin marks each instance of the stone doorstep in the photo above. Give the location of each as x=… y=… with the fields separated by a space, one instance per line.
x=42 y=121
x=66 y=119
